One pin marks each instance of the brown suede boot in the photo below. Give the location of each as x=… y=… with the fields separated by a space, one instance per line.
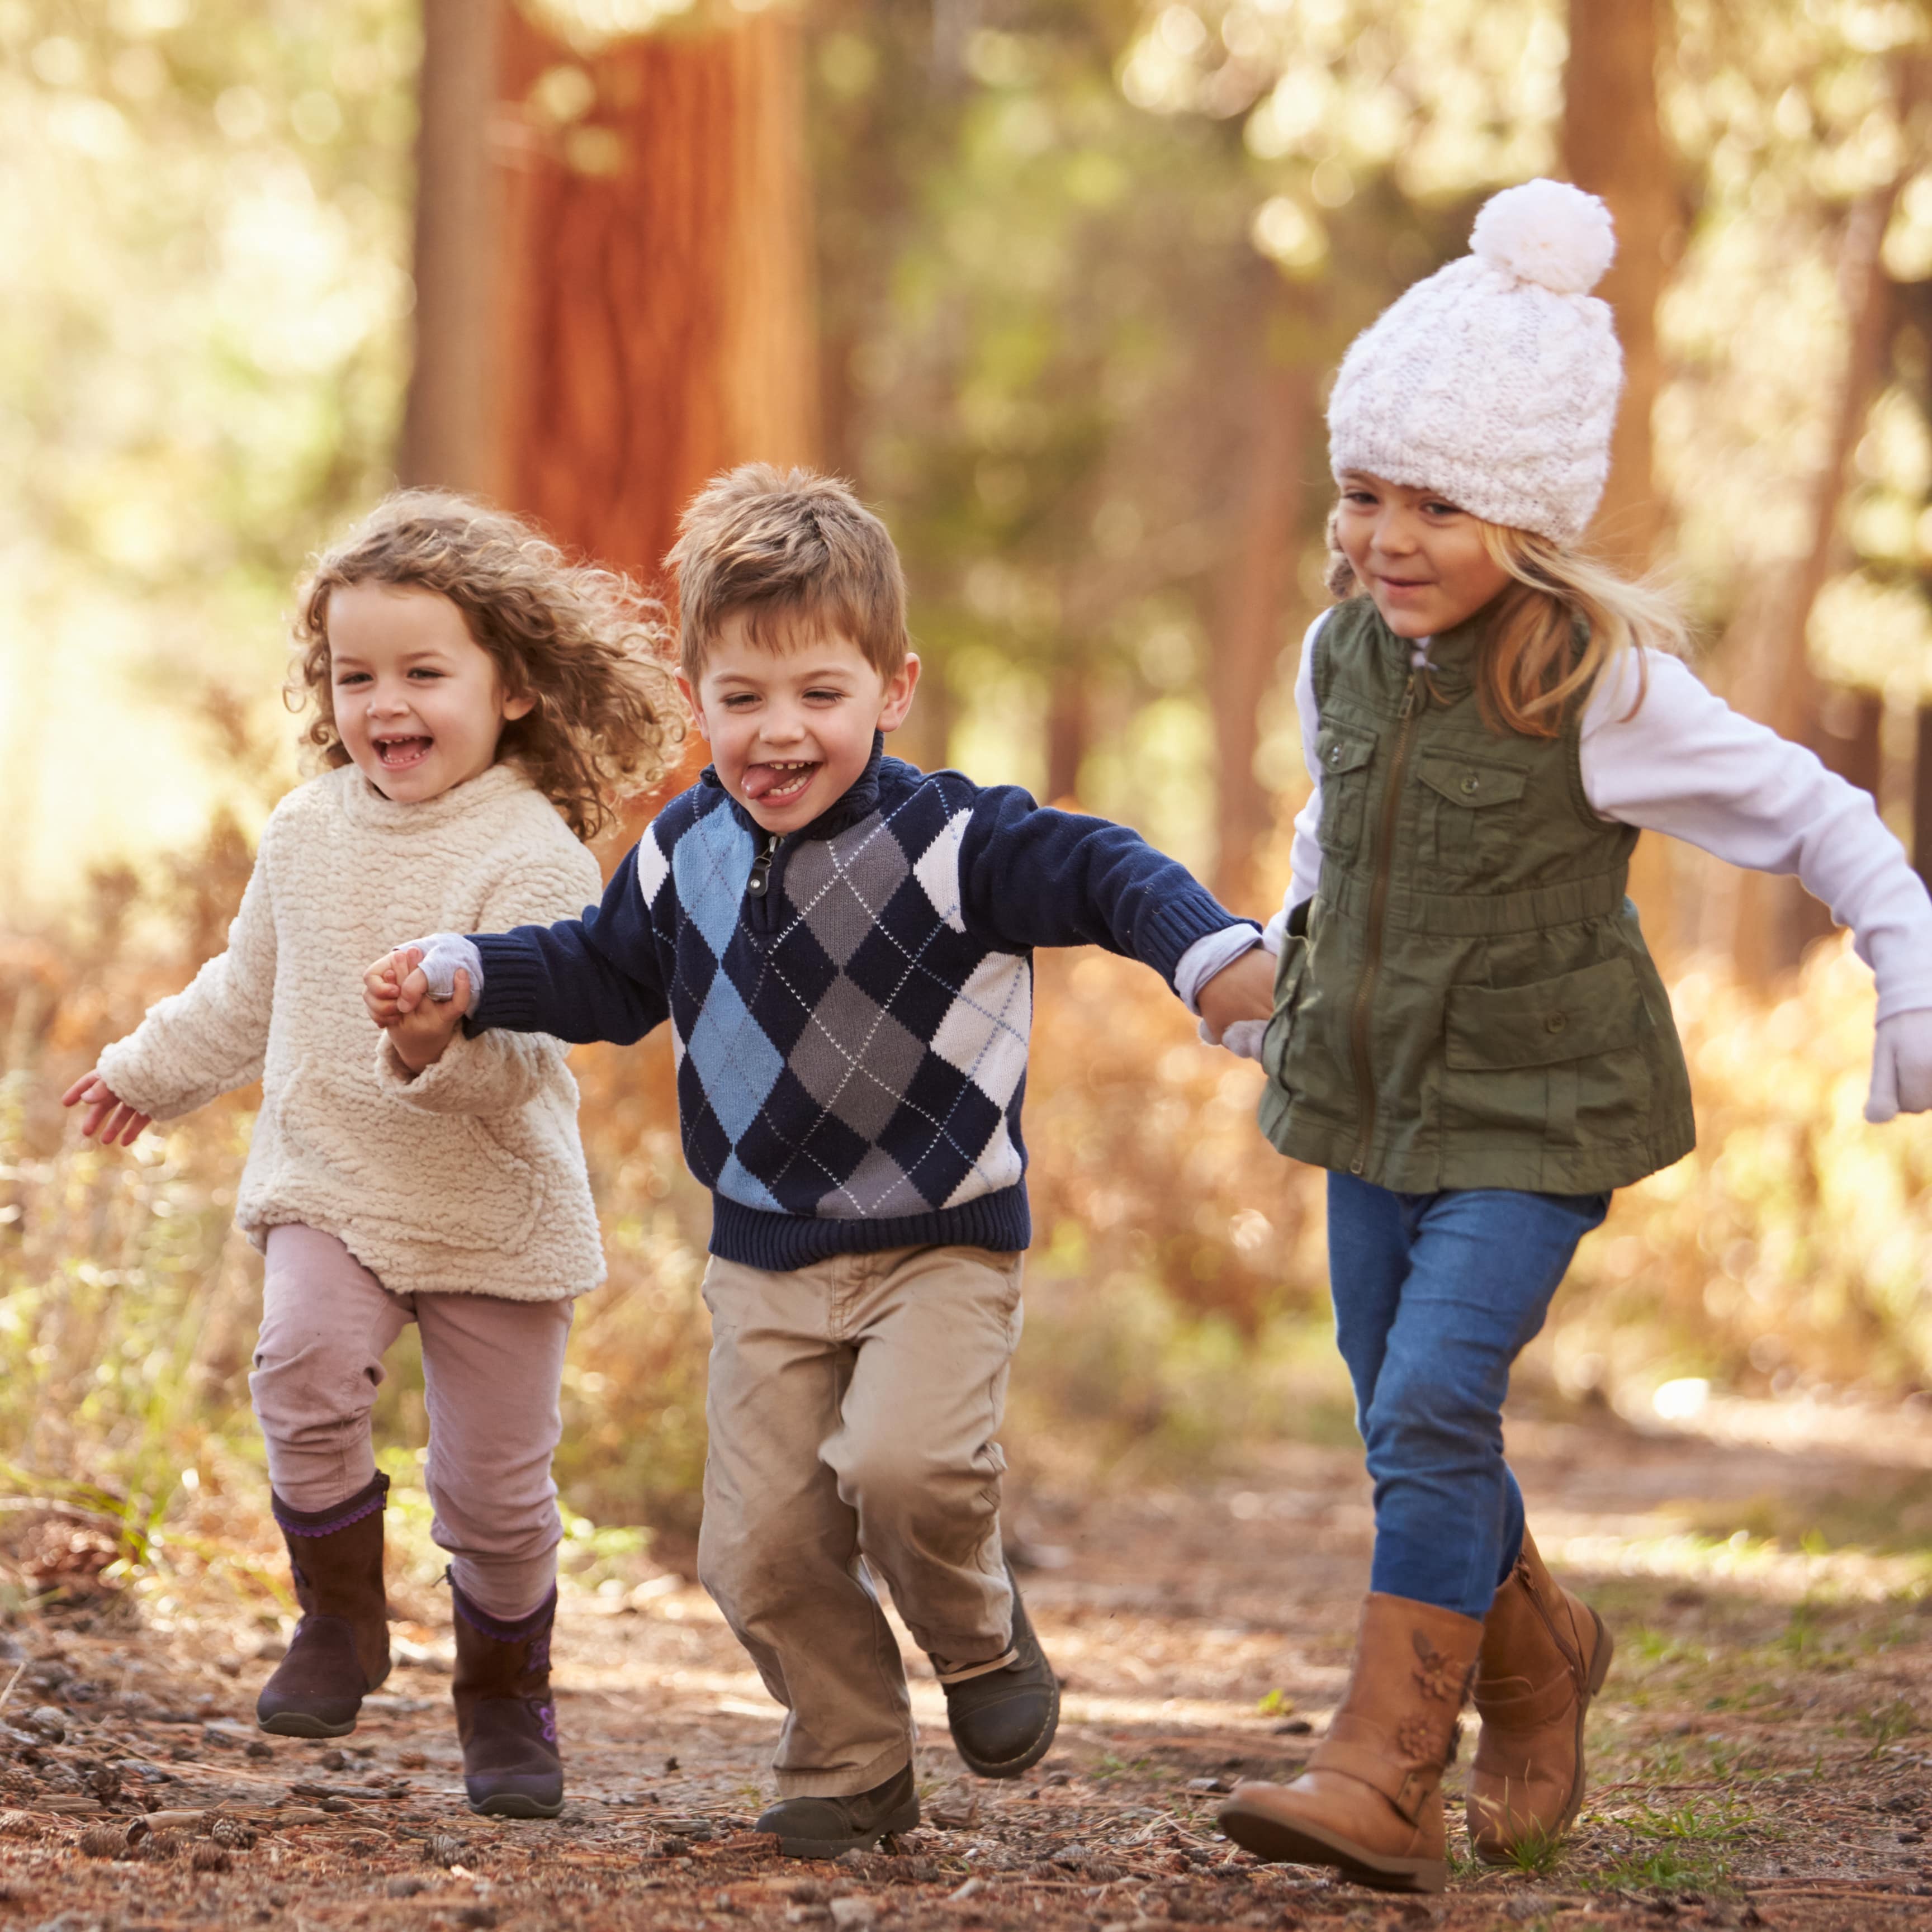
x=341 y=1650
x=1370 y=1802
x=504 y=1716
x=1544 y=1656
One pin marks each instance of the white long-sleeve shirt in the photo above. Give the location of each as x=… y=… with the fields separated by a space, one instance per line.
x=1681 y=761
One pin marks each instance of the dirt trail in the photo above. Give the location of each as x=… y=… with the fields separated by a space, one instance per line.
x=1760 y=1758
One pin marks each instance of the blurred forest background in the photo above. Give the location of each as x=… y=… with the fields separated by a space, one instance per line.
x=1059 y=283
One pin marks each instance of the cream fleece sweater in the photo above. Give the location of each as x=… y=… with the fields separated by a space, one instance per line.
x=469 y=1178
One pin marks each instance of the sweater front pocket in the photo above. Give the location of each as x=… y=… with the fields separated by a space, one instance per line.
x=442 y=1178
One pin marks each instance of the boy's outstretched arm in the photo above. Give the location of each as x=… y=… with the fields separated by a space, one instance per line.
x=596 y=977
x=1031 y=875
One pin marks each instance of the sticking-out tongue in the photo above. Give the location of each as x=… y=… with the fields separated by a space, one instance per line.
x=760 y=779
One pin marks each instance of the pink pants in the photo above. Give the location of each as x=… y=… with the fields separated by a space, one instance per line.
x=492 y=1370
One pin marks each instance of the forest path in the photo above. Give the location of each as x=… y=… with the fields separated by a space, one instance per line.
x=1759 y=1753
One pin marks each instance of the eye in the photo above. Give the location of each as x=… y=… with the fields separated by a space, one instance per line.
x=1439 y=510
x=823 y=694
x=1361 y=498
x=345 y=678
x=425 y=672
x=740 y=700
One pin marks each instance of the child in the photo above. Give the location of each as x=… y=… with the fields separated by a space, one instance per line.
x=842 y=945
x=473 y=693
x=1468 y=1032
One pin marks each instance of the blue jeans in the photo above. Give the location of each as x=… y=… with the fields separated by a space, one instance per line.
x=1435 y=1295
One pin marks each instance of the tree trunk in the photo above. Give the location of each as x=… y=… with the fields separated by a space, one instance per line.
x=1613 y=145
x=449 y=433
x=1259 y=582
x=656 y=304
x=1777 y=684
x=1066 y=733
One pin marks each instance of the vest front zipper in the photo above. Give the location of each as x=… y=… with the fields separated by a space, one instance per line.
x=1378 y=892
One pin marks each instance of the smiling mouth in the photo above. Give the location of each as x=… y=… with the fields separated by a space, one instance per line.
x=777 y=784
x=398 y=754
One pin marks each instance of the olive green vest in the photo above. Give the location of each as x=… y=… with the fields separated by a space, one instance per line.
x=1471 y=1003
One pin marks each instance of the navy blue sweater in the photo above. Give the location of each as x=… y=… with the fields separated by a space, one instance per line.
x=850 y=1003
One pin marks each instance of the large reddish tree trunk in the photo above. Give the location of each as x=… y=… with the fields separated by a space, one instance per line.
x=655 y=293
x=614 y=297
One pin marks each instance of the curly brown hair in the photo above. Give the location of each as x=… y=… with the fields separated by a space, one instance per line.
x=585 y=642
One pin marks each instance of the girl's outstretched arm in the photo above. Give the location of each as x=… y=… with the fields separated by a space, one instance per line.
x=204 y=1041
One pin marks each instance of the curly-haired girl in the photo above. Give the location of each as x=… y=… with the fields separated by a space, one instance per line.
x=475 y=695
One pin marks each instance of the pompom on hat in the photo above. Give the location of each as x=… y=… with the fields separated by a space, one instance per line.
x=1496 y=380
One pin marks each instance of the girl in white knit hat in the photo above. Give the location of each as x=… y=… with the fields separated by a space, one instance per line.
x=473 y=694
x=1467 y=1030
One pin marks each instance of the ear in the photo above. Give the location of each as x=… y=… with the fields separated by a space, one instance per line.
x=690 y=690
x=899 y=688
x=518 y=704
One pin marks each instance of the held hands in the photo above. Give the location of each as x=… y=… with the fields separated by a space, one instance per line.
x=396 y=991
x=122 y=1123
x=1901 y=1081
x=1237 y=1004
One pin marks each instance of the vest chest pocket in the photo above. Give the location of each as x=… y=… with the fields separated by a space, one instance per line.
x=1470 y=815
x=1344 y=757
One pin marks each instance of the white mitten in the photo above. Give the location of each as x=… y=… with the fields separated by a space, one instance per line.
x=443 y=954
x=1901 y=1079
x=1243 y=1038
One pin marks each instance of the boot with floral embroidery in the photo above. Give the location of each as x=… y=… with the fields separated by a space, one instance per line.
x=504 y=1714
x=1370 y=1802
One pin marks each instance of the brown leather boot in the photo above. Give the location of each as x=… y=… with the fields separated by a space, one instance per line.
x=341 y=1650
x=504 y=1716
x=1370 y=1802
x=1544 y=1656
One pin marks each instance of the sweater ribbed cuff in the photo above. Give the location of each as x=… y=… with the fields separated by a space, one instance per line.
x=514 y=983
x=779 y=1243
x=1172 y=927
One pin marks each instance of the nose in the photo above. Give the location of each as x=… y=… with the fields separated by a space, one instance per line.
x=1394 y=534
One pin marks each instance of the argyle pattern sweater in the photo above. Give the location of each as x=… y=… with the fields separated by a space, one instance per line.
x=849 y=1004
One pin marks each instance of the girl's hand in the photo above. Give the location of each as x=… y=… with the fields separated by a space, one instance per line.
x=1243 y=990
x=420 y=1037
x=394 y=987
x=1901 y=1080
x=123 y=1122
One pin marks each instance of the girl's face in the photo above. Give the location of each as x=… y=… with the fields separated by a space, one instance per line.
x=790 y=730
x=419 y=704
x=1421 y=558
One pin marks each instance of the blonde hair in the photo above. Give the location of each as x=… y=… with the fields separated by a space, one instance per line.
x=584 y=643
x=1565 y=618
x=791 y=551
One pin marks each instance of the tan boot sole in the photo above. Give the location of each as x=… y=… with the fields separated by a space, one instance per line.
x=1308 y=1843
x=1494 y=1851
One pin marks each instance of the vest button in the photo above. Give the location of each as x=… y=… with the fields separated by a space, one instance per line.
x=1471 y=784
x=1334 y=754
x=1556 y=1023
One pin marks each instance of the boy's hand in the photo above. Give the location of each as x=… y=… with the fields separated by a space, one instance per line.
x=421 y=1036
x=1901 y=1080
x=122 y=1123
x=394 y=986
x=1243 y=990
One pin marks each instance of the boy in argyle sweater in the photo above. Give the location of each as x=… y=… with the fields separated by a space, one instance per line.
x=842 y=945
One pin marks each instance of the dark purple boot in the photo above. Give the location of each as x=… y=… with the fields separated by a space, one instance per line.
x=511 y=1767
x=341 y=1650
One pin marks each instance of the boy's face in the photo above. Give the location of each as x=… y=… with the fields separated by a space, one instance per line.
x=790 y=729
x=418 y=705
x=1420 y=557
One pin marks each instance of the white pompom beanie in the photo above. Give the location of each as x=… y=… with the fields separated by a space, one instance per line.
x=1496 y=380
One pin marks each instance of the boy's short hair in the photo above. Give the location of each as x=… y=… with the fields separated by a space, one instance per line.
x=794 y=552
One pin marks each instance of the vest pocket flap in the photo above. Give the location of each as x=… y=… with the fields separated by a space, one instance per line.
x=1462 y=781
x=1338 y=752
x=1595 y=1010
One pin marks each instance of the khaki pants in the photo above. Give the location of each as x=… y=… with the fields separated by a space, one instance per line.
x=492 y=1372
x=852 y=1411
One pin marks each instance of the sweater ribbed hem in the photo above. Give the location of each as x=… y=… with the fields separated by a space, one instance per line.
x=1179 y=923
x=515 y=981
x=779 y=1243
